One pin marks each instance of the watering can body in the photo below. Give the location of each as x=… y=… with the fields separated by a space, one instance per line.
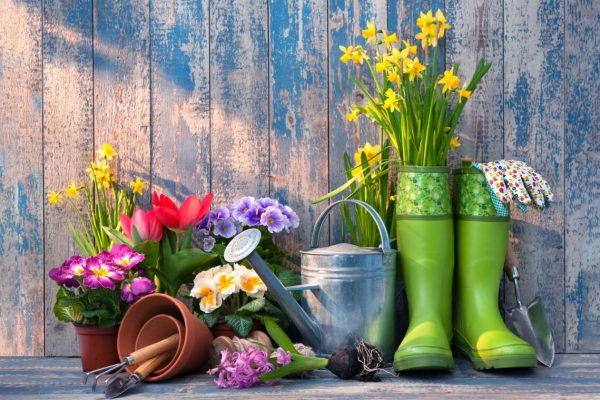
x=348 y=291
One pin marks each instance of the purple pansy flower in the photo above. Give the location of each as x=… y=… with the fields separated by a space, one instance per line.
x=204 y=224
x=266 y=202
x=292 y=218
x=225 y=228
x=273 y=219
x=242 y=207
x=136 y=289
x=252 y=216
x=99 y=273
x=208 y=243
x=219 y=214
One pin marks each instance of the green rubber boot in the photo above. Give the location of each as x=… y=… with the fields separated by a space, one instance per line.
x=481 y=238
x=425 y=233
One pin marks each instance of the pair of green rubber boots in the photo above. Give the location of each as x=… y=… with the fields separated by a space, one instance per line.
x=452 y=264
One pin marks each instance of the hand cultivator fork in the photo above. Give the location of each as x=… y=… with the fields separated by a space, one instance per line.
x=137 y=357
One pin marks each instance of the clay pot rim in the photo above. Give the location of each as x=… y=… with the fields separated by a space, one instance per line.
x=181 y=332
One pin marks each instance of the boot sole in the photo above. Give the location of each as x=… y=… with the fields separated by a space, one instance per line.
x=499 y=362
x=424 y=363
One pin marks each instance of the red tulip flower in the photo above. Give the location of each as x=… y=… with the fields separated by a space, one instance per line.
x=179 y=219
x=148 y=226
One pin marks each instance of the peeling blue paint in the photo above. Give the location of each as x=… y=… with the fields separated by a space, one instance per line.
x=519 y=103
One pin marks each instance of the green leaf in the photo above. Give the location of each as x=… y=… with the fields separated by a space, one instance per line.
x=67 y=307
x=241 y=324
x=116 y=236
x=150 y=249
x=177 y=267
x=135 y=235
x=210 y=319
x=299 y=364
x=252 y=307
x=278 y=335
x=187 y=238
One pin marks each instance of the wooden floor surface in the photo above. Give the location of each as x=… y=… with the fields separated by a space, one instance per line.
x=573 y=376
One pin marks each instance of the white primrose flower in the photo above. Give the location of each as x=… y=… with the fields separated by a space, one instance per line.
x=206 y=291
x=208 y=274
x=225 y=281
x=249 y=281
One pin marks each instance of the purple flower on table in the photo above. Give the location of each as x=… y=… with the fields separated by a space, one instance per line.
x=100 y=273
x=225 y=228
x=292 y=218
x=273 y=219
x=217 y=214
x=266 y=202
x=241 y=369
x=283 y=357
x=136 y=289
x=208 y=243
x=241 y=208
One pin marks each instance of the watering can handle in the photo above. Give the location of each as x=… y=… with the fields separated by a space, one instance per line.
x=385 y=239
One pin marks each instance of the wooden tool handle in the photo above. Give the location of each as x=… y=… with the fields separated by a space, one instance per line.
x=151 y=365
x=146 y=353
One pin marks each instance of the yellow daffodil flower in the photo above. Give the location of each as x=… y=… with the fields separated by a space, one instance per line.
x=388 y=40
x=384 y=65
x=450 y=81
x=426 y=21
x=395 y=56
x=72 y=190
x=373 y=154
x=370 y=33
x=353 y=115
x=347 y=53
x=442 y=24
x=391 y=101
x=107 y=151
x=429 y=30
x=454 y=142
x=394 y=77
x=410 y=49
x=358 y=172
x=138 y=186
x=414 y=69
x=359 y=55
x=54 y=198
x=464 y=93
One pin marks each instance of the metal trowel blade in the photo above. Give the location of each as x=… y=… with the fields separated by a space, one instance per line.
x=121 y=385
x=531 y=325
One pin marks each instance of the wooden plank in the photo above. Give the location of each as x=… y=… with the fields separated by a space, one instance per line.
x=180 y=116
x=298 y=111
x=477 y=32
x=68 y=140
x=572 y=376
x=21 y=179
x=122 y=85
x=346 y=21
x=239 y=99
x=402 y=18
x=582 y=183
x=534 y=133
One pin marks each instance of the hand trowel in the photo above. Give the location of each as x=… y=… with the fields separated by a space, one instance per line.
x=123 y=384
x=530 y=324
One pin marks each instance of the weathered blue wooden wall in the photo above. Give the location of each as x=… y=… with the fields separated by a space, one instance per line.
x=248 y=97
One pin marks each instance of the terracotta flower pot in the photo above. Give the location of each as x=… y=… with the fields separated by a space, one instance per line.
x=197 y=337
x=156 y=329
x=97 y=346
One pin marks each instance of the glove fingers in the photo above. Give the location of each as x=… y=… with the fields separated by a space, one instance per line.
x=493 y=174
x=533 y=185
x=515 y=181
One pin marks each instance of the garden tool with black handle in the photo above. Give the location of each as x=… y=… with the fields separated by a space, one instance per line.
x=122 y=385
x=481 y=241
x=137 y=357
x=529 y=322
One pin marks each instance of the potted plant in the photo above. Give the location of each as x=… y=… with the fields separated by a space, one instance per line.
x=418 y=110
x=95 y=289
x=233 y=299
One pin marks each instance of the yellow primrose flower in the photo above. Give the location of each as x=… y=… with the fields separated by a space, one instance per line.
x=353 y=115
x=464 y=93
x=370 y=33
x=72 y=190
x=54 y=198
x=442 y=24
x=410 y=49
x=359 y=55
x=391 y=101
x=394 y=77
x=347 y=53
x=388 y=40
x=138 y=186
x=107 y=151
x=414 y=69
x=454 y=142
x=450 y=81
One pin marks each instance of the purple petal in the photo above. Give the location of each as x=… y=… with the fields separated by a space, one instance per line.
x=273 y=219
x=225 y=228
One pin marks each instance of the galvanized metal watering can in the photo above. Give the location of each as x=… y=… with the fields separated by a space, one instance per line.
x=348 y=291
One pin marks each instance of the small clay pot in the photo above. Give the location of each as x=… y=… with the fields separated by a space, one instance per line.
x=97 y=346
x=197 y=337
x=156 y=329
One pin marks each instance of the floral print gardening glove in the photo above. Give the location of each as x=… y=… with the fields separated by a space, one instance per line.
x=514 y=181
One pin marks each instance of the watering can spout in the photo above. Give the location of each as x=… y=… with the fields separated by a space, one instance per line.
x=242 y=247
